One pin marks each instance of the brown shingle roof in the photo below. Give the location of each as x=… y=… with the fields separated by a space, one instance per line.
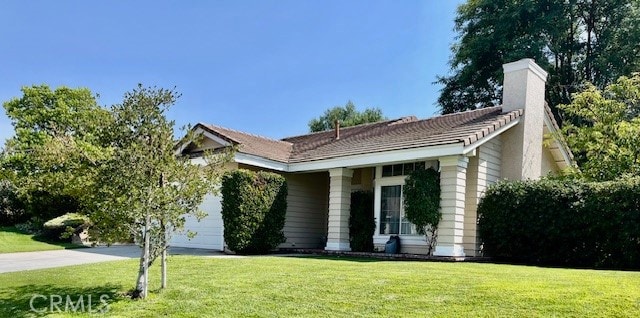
x=404 y=133
x=466 y=127
x=253 y=144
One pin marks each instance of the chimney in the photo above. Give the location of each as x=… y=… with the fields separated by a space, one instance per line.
x=524 y=88
x=337 y=129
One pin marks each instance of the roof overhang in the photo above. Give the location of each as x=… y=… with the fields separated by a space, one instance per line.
x=379 y=158
x=472 y=147
x=559 y=150
x=199 y=130
x=354 y=161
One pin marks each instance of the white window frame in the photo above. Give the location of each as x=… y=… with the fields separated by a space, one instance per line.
x=391 y=183
x=379 y=182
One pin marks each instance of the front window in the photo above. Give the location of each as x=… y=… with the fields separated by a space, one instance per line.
x=392 y=218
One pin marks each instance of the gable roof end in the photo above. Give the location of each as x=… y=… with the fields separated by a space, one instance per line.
x=251 y=144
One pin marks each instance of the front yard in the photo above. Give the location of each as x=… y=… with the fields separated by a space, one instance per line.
x=12 y=240
x=323 y=287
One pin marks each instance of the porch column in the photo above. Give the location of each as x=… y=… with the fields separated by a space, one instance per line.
x=453 y=174
x=339 y=206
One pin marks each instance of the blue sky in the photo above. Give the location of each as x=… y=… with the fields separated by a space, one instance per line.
x=265 y=67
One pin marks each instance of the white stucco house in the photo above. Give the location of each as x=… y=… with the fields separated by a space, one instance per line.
x=471 y=150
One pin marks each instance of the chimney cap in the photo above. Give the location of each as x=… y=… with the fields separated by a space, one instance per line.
x=525 y=64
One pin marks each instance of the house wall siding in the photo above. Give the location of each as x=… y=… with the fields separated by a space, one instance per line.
x=307 y=204
x=307 y=208
x=453 y=176
x=483 y=170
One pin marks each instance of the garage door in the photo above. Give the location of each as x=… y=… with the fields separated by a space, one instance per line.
x=209 y=229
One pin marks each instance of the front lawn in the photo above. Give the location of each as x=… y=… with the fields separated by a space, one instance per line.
x=328 y=287
x=12 y=240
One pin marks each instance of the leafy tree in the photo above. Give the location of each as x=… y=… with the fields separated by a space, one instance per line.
x=575 y=40
x=11 y=207
x=58 y=143
x=347 y=115
x=144 y=190
x=606 y=145
x=118 y=165
x=422 y=202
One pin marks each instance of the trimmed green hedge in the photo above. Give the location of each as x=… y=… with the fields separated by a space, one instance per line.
x=362 y=223
x=254 y=205
x=563 y=223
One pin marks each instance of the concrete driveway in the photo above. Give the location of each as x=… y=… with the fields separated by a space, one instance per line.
x=15 y=262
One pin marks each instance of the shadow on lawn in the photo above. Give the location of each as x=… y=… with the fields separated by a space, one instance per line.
x=65 y=245
x=42 y=300
x=10 y=229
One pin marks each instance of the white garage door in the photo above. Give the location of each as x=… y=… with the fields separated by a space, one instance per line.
x=209 y=229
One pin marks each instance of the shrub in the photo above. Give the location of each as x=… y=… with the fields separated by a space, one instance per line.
x=422 y=203
x=563 y=222
x=362 y=223
x=65 y=225
x=254 y=205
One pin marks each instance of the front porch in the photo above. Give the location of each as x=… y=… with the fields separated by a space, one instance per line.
x=463 y=179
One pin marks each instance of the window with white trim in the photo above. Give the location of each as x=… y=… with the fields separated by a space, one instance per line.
x=401 y=169
x=392 y=218
x=389 y=205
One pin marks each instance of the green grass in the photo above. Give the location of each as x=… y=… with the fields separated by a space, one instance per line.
x=334 y=287
x=12 y=241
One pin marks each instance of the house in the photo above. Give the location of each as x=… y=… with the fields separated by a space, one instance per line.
x=471 y=150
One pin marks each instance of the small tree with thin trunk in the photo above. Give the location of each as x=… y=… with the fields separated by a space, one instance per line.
x=145 y=190
x=422 y=203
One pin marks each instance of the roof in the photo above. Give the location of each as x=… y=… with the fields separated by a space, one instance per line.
x=253 y=144
x=404 y=133
x=466 y=127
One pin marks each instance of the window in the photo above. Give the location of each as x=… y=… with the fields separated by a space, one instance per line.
x=401 y=169
x=392 y=219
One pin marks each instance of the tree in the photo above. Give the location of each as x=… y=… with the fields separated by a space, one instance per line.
x=606 y=144
x=575 y=40
x=144 y=189
x=422 y=203
x=347 y=115
x=58 y=143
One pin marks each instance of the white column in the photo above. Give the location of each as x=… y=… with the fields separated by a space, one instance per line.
x=339 y=206
x=453 y=174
